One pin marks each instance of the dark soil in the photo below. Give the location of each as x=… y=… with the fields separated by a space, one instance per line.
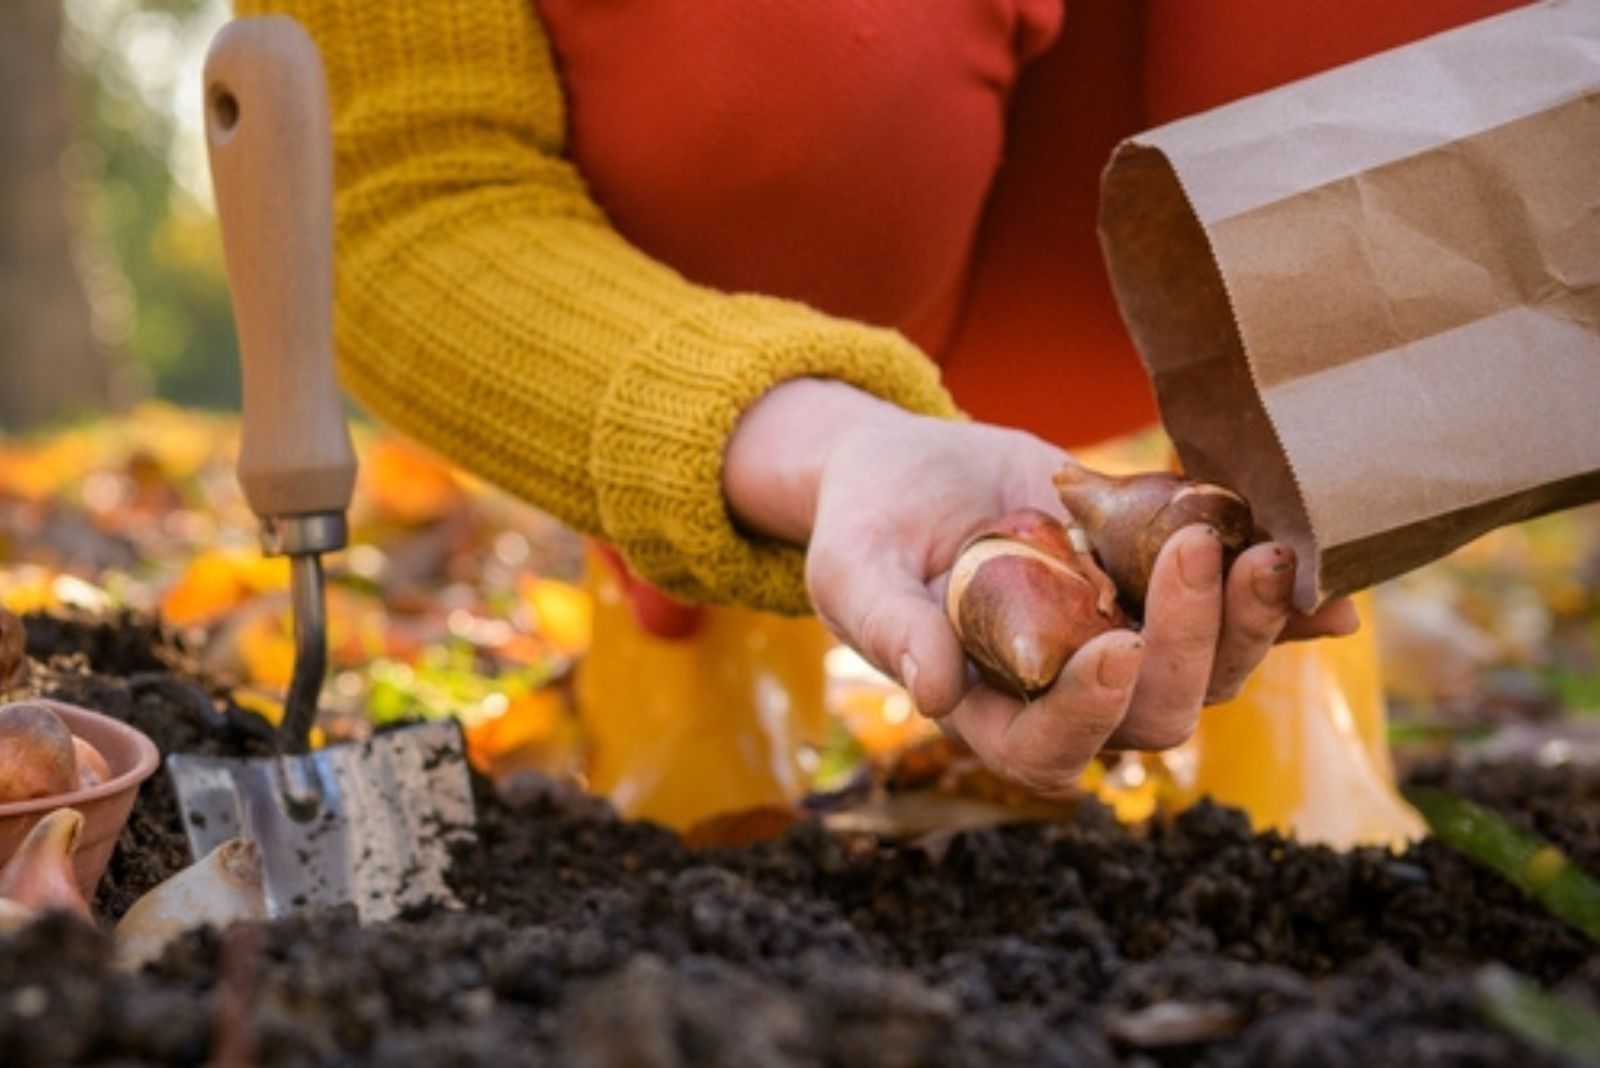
x=593 y=941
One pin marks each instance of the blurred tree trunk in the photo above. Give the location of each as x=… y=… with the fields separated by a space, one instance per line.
x=50 y=364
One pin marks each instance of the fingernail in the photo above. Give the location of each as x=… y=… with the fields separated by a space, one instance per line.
x=908 y=675
x=1200 y=561
x=1120 y=666
x=1274 y=583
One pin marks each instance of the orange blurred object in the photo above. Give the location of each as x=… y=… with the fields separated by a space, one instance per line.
x=407 y=483
x=36 y=470
x=217 y=582
x=532 y=731
x=1303 y=749
x=563 y=614
x=733 y=830
x=258 y=641
x=682 y=729
x=266 y=648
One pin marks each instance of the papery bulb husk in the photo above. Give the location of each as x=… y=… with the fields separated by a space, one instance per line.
x=39 y=876
x=14 y=916
x=36 y=753
x=1128 y=518
x=13 y=651
x=223 y=887
x=1023 y=599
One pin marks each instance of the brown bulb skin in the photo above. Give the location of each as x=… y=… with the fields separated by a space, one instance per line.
x=1128 y=518
x=37 y=755
x=39 y=876
x=1023 y=599
x=92 y=767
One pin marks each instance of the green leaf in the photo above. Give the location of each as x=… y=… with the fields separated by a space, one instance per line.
x=1538 y=868
x=1578 y=691
x=1540 y=1018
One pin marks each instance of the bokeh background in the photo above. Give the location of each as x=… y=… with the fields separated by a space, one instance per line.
x=111 y=283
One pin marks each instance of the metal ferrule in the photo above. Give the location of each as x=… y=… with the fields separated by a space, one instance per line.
x=296 y=535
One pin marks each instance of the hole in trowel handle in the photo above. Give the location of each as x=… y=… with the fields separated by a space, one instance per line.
x=224 y=112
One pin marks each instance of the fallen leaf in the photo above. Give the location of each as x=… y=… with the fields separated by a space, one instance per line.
x=534 y=731
x=562 y=614
x=1543 y=1019
x=217 y=582
x=1535 y=866
x=266 y=648
x=405 y=482
x=731 y=830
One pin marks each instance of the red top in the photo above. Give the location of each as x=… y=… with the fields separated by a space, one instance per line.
x=931 y=166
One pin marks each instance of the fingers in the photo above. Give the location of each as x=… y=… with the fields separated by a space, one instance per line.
x=1336 y=619
x=1183 y=623
x=1256 y=606
x=1202 y=637
x=1044 y=745
x=880 y=606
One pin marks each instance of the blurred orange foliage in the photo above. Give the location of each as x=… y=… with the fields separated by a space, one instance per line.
x=531 y=731
x=406 y=483
x=217 y=582
x=562 y=614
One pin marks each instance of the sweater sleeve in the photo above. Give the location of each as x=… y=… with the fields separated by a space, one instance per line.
x=486 y=308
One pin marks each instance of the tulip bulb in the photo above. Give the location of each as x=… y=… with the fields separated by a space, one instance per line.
x=39 y=875
x=92 y=767
x=1129 y=518
x=14 y=917
x=37 y=757
x=1023 y=597
x=223 y=887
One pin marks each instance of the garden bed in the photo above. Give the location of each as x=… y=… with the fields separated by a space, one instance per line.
x=590 y=940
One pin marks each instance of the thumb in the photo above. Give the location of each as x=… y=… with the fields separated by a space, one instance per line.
x=879 y=606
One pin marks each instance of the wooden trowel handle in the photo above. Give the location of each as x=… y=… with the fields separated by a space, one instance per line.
x=271 y=153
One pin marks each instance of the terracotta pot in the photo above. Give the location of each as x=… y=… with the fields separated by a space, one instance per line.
x=132 y=757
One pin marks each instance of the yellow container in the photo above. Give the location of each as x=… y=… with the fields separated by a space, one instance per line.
x=1303 y=749
x=681 y=729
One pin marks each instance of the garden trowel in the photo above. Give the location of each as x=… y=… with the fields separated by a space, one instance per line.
x=374 y=822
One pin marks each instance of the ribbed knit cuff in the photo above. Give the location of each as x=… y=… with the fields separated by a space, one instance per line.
x=666 y=418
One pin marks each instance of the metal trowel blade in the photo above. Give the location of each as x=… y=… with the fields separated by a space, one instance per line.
x=389 y=813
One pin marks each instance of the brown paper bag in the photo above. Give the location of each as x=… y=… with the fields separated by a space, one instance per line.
x=1370 y=301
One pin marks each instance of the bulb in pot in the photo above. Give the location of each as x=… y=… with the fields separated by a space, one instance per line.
x=1023 y=597
x=1128 y=518
x=223 y=887
x=37 y=755
x=92 y=766
x=39 y=875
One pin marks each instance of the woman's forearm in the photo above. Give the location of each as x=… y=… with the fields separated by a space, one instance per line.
x=776 y=455
x=488 y=308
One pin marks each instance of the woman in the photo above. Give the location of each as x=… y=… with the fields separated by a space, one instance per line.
x=695 y=278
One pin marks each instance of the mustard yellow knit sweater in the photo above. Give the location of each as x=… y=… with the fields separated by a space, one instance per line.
x=487 y=309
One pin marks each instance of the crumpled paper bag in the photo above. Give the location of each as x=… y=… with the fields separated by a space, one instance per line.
x=1369 y=301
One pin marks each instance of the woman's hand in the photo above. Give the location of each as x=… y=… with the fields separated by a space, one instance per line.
x=884 y=499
